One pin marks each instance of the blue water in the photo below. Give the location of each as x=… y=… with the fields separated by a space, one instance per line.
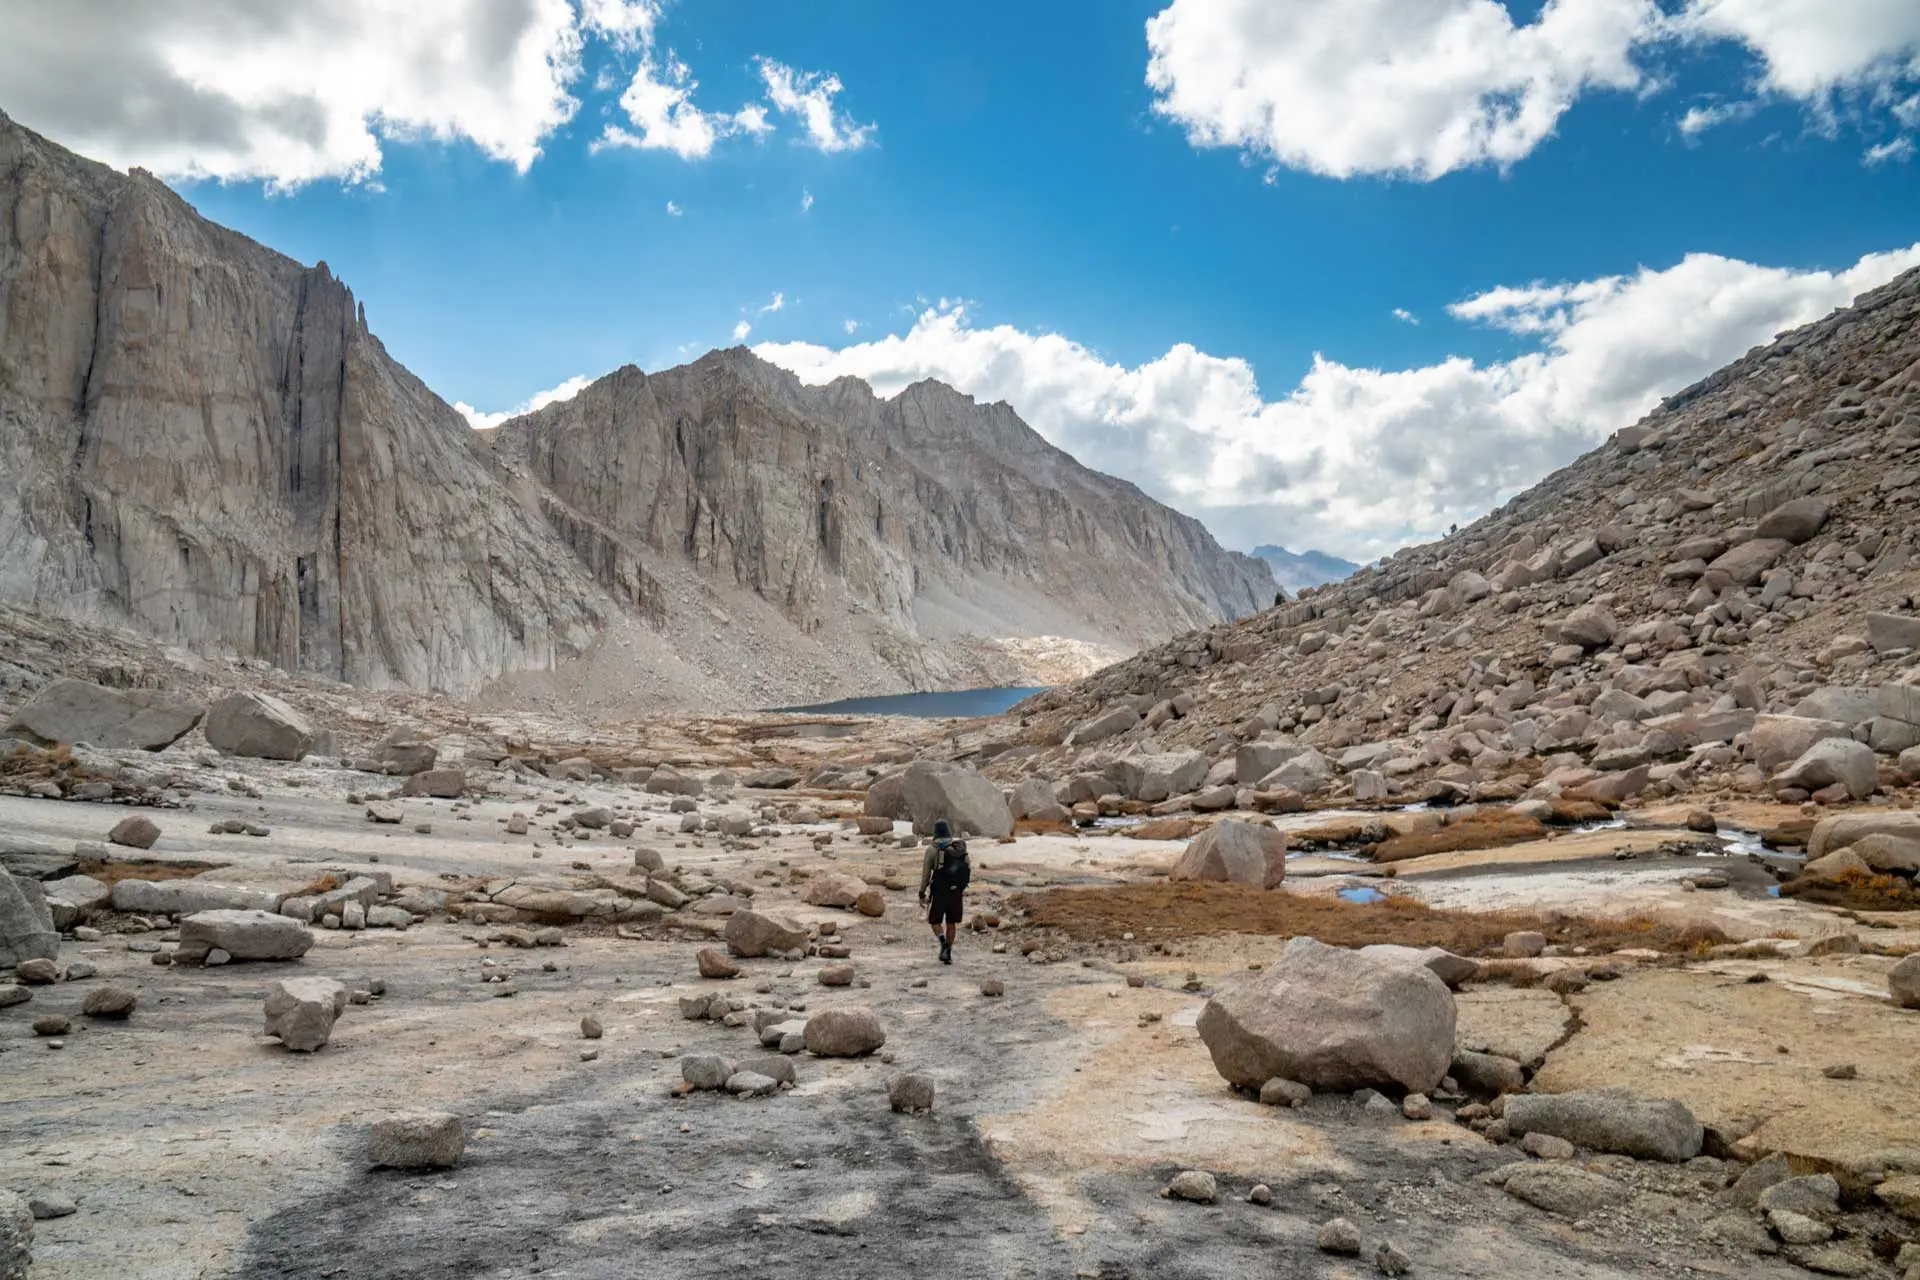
x=1360 y=894
x=956 y=704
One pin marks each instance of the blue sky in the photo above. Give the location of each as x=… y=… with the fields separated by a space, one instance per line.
x=1192 y=283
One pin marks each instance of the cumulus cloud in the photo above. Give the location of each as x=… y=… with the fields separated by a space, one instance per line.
x=808 y=97
x=1417 y=88
x=741 y=330
x=289 y=93
x=1360 y=461
x=1405 y=316
x=1422 y=88
x=658 y=101
x=538 y=400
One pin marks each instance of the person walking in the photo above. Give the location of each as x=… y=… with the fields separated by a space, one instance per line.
x=944 y=875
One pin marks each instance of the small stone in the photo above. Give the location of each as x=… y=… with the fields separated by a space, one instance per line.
x=1841 y=1071
x=993 y=987
x=590 y=1027
x=1798 y=1228
x=37 y=972
x=1524 y=944
x=52 y=1024
x=109 y=1002
x=1417 y=1106
x=589 y=1055
x=1391 y=1259
x=910 y=1093
x=417 y=1140
x=1544 y=1146
x=1261 y=1193
x=1338 y=1237
x=135 y=832
x=1195 y=1185
x=836 y=975
x=715 y=963
x=705 y=1071
x=1281 y=1092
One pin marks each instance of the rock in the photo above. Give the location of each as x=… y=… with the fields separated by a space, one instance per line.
x=1260 y=1193
x=402 y=754
x=52 y=1024
x=1835 y=866
x=258 y=725
x=48 y=1205
x=1281 y=1092
x=1889 y=631
x=1903 y=983
x=1590 y=626
x=302 y=1011
x=715 y=964
x=754 y=933
x=417 y=1140
x=16 y=1236
x=1153 y=778
x=446 y=784
x=110 y=1003
x=836 y=975
x=187 y=897
x=38 y=972
x=1901 y=1193
x=243 y=935
x=706 y=1071
x=1612 y=1121
x=1417 y=1107
x=1796 y=1228
x=1544 y=1146
x=1744 y=564
x=76 y=897
x=773 y=1066
x=1195 y=1185
x=844 y=1033
x=871 y=903
x=910 y=1093
x=12 y=993
x=26 y=921
x=1338 y=1236
x=1795 y=522
x=1778 y=740
x=1565 y=1189
x=135 y=832
x=70 y=711
x=1391 y=1260
x=1834 y=760
x=1832 y=1260
x=593 y=818
x=591 y=1028
x=1524 y=944
x=834 y=889
x=1840 y=830
x=1235 y=853
x=775 y=778
x=669 y=781
x=993 y=987
x=1109 y=723
x=972 y=804
x=1817 y=1195
x=385 y=814
x=1333 y=1020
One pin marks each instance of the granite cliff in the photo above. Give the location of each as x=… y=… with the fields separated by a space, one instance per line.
x=200 y=438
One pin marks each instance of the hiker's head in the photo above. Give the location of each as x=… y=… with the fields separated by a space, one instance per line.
x=942 y=829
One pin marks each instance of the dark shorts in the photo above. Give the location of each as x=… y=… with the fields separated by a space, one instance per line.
x=945 y=906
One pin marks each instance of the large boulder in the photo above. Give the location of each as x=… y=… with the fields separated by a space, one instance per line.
x=834 y=889
x=1109 y=723
x=1590 y=626
x=1610 y=1120
x=1834 y=760
x=755 y=933
x=1903 y=983
x=1255 y=760
x=844 y=1033
x=1839 y=830
x=1034 y=801
x=119 y=719
x=1745 y=563
x=1795 y=522
x=1309 y=773
x=1888 y=854
x=972 y=804
x=26 y=922
x=301 y=1011
x=1235 y=853
x=445 y=784
x=72 y=899
x=243 y=935
x=1848 y=704
x=1889 y=631
x=1334 y=1020
x=1153 y=778
x=184 y=897
x=259 y=725
x=1778 y=740
x=887 y=798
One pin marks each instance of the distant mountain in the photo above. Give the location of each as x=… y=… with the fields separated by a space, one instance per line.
x=1295 y=570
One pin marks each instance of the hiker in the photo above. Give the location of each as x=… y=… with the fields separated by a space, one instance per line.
x=944 y=874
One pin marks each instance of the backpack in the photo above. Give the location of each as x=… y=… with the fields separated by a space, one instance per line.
x=954 y=871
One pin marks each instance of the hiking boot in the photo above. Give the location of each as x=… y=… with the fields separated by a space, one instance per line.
x=946 y=952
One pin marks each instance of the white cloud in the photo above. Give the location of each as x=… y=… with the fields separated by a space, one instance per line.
x=806 y=200
x=778 y=303
x=1811 y=48
x=1405 y=316
x=752 y=120
x=539 y=400
x=741 y=330
x=851 y=326
x=674 y=210
x=1421 y=88
x=289 y=93
x=1898 y=151
x=1354 y=460
x=808 y=96
x=628 y=24
x=659 y=103
x=1416 y=88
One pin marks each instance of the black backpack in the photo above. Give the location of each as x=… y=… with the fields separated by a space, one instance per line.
x=954 y=871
